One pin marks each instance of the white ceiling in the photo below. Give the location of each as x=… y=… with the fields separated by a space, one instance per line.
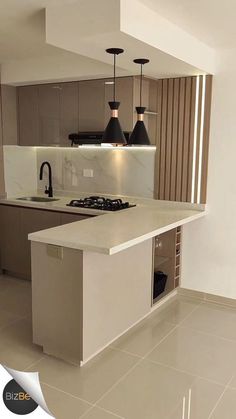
x=22 y=27
x=211 y=21
x=22 y=32
x=22 y=43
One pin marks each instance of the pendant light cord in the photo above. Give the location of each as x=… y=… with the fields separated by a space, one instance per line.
x=114 y=79
x=141 y=81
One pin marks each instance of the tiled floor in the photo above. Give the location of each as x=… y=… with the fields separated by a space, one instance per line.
x=180 y=363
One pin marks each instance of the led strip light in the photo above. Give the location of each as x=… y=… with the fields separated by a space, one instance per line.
x=201 y=136
x=195 y=140
x=201 y=140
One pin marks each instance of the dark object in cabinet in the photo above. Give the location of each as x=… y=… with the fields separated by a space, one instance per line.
x=159 y=283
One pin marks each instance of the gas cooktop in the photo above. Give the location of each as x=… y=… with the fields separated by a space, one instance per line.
x=100 y=203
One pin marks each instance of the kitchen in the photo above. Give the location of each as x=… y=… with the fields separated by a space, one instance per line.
x=102 y=171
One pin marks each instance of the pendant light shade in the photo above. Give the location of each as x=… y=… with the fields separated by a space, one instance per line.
x=113 y=133
x=139 y=135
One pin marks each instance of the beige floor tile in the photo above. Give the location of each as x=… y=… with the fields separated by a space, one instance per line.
x=15 y=296
x=197 y=353
x=177 y=310
x=16 y=348
x=226 y=409
x=97 y=413
x=200 y=400
x=143 y=338
x=8 y=283
x=7 y=318
x=63 y=405
x=233 y=382
x=148 y=391
x=214 y=319
x=92 y=380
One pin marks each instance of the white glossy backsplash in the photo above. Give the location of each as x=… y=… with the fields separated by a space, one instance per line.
x=20 y=169
x=115 y=171
x=118 y=171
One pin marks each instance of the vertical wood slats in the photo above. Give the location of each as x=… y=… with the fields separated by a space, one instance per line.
x=158 y=139
x=174 y=139
x=191 y=139
x=168 y=148
x=163 y=139
x=176 y=102
x=180 y=141
x=186 y=137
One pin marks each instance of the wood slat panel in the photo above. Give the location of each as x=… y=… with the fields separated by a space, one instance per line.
x=180 y=140
x=174 y=139
x=178 y=148
x=191 y=138
x=187 y=111
x=169 y=137
x=158 y=140
x=163 y=139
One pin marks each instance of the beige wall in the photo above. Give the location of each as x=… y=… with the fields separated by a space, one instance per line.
x=209 y=245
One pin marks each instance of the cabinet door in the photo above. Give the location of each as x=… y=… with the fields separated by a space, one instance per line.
x=91 y=105
x=69 y=111
x=9 y=115
x=70 y=218
x=10 y=238
x=49 y=114
x=32 y=220
x=124 y=94
x=28 y=115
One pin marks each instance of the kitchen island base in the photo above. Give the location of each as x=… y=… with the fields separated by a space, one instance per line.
x=82 y=301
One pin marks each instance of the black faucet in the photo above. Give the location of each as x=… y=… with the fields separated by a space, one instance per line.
x=49 y=189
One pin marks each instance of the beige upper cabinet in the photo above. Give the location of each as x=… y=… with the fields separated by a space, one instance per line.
x=9 y=115
x=69 y=111
x=49 y=114
x=28 y=120
x=91 y=105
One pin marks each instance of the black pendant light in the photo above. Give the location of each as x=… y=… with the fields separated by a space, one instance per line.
x=139 y=135
x=113 y=133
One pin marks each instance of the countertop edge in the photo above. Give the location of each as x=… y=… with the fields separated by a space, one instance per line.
x=115 y=249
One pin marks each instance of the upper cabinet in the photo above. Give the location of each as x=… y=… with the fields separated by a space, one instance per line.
x=48 y=113
x=91 y=105
x=28 y=121
x=69 y=111
x=9 y=115
x=58 y=112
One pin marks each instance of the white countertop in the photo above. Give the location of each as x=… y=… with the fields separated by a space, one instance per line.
x=110 y=233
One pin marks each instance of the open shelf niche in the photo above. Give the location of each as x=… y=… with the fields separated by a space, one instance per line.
x=167 y=259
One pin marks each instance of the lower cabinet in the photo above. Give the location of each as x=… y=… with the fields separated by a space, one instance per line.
x=71 y=218
x=15 y=225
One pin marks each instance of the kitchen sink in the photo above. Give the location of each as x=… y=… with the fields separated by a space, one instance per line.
x=37 y=199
